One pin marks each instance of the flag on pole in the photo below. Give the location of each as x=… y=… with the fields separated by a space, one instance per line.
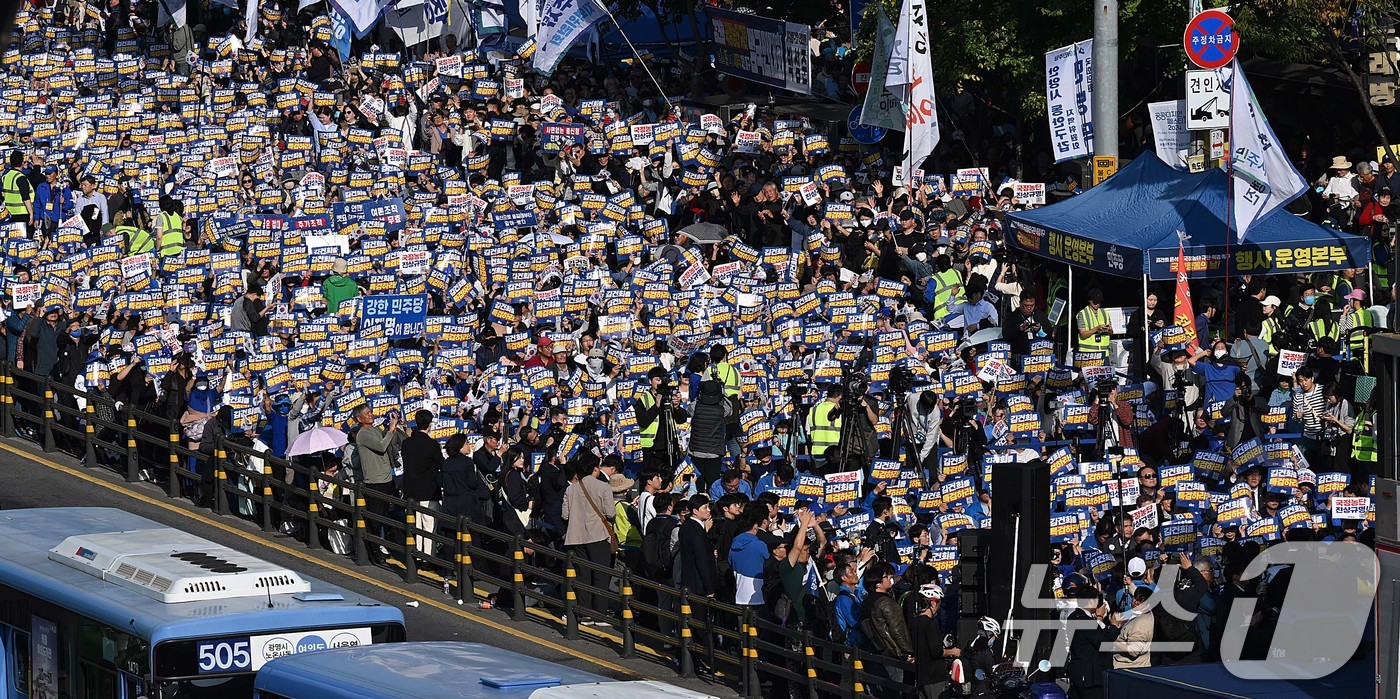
x=1262 y=180
x=1183 y=315
x=911 y=70
x=881 y=108
x=171 y=11
x=562 y=24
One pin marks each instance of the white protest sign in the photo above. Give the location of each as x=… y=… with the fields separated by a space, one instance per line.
x=338 y=241
x=994 y=369
x=1145 y=516
x=747 y=141
x=897 y=177
x=810 y=195
x=413 y=263
x=222 y=167
x=1030 y=192
x=515 y=88
x=136 y=266
x=1350 y=508
x=1289 y=362
x=26 y=295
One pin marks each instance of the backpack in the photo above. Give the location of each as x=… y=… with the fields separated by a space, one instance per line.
x=659 y=546
x=824 y=617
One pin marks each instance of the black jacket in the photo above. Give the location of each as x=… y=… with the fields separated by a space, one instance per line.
x=464 y=493
x=695 y=560
x=422 y=459
x=886 y=620
x=1086 y=662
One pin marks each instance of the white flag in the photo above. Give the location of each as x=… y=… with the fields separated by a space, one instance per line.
x=1262 y=179
x=562 y=24
x=171 y=11
x=881 y=108
x=911 y=69
x=250 y=16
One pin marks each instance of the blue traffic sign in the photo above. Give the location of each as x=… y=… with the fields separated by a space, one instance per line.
x=863 y=133
x=1210 y=39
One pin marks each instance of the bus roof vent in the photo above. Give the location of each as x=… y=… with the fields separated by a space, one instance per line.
x=172 y=566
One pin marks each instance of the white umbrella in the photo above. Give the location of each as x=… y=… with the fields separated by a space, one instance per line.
x=316 y=441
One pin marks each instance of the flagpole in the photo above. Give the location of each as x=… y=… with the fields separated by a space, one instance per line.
x=1229 y=199
x=669 y=106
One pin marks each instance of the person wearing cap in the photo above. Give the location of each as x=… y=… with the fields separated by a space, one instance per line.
x=1355 y=316
x=38 y=346
x=18 y=192
x=1270 y=324
x=52 y=200
x=1091 y=322
x=1341 y=184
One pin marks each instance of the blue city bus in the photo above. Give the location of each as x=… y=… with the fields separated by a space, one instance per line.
x=98 y=603
x=442 y=670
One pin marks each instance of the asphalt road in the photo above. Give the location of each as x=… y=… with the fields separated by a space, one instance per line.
x=29 y=478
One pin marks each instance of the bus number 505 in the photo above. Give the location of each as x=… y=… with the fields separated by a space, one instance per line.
x=223 y=656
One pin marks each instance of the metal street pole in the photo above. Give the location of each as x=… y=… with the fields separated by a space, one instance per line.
x=1106 y=78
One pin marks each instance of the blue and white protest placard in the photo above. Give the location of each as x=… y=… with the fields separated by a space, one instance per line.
x=403 y=315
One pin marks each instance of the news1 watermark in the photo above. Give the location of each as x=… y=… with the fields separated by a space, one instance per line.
x=1315 y=630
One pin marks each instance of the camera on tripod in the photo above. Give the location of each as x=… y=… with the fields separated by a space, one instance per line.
x=666 y=390
x=1104 y=387
x=856 y=384
x=901 y=380
x=963 y=409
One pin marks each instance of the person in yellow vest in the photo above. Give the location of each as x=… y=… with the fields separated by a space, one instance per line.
x=170 y=227
x=1092 y=324
x=948 y=287
x=1270 y=323
x=824 y=423
x=1322 y=326
x=727 y=374
x=1355 y=316
x=1364 y=454
x=18 y=193
x=138 y=239
x=659 y=448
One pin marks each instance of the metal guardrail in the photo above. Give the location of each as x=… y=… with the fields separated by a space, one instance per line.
x=650 y=619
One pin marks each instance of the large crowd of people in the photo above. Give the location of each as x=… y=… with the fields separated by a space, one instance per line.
x=498 y=285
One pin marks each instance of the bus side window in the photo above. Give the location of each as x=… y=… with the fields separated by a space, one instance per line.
x=20 y=677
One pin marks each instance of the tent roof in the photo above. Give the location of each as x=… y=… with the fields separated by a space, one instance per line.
x=1128 y=226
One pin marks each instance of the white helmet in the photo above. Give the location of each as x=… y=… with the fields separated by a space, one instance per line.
x=988 y=627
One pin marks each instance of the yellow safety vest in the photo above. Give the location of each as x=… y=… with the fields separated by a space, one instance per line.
x=1357 y=343
x=14 y=198
x=944 y=295
x=1323 y=327
x=137 y=240
x=1089 y=318
x=1363 y=444
x=172 y=237
x=822 y=429
x=649 y=432
x=729 y=376
x=1267 y=332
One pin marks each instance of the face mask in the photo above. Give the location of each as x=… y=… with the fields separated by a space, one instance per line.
x=1219 y=354
x=1309 y=300
x=76 y=334
x=202 y=385
x=595 y=366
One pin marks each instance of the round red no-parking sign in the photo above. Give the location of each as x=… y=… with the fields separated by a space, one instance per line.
x=1210 y=39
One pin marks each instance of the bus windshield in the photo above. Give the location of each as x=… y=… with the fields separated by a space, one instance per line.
x=239 y=687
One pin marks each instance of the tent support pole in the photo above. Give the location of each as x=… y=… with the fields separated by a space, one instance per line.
x=1073 y=334
x=1146 y=329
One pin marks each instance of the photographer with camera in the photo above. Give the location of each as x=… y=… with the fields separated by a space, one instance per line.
x=860 y=408
x=658 y=411
x=1025 y=325
x=1119 y=430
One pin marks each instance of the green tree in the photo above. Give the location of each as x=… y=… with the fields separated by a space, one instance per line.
x=1332 y=33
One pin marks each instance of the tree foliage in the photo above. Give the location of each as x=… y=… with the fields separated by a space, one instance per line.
x=997 y=47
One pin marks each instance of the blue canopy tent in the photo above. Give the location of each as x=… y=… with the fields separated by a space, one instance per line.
x=1127 y=226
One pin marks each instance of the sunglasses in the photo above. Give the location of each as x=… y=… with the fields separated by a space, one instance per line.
x=1149 y=475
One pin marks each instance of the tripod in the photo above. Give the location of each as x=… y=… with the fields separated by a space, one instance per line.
x=797 y=429
x=901 y=427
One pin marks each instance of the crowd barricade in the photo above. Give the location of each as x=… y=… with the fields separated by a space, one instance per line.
x=639 y=617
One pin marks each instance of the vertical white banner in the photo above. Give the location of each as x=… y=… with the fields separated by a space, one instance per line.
x=881 y=108
x=920 y=108
x=1084 y=89
x=1067 y=140
x=1169 y=133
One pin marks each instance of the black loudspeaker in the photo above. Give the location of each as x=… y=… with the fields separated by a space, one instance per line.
x=1020 y=494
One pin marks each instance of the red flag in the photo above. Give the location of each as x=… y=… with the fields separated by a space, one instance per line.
x=1184 y=316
